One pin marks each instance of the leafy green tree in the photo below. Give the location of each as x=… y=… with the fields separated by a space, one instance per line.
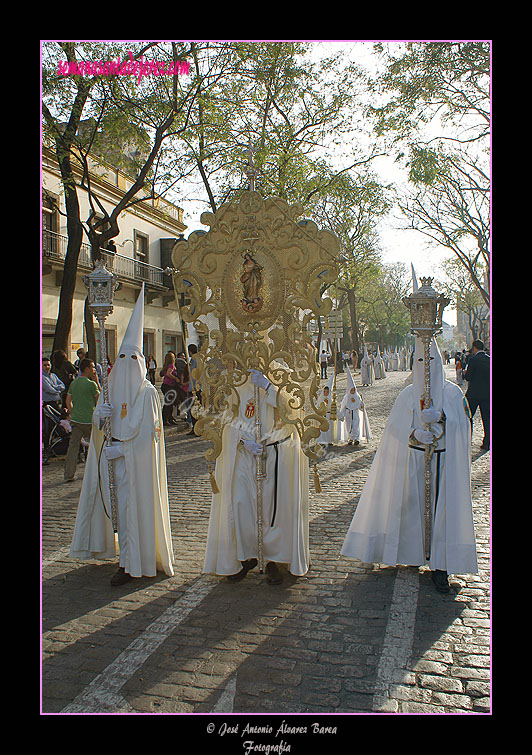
x=351 y=208
x=433 y=108
x=383 y=316
x=466 y=297
x=423 y=81
x=451 y=205
x=82 y=116
x=291 y=110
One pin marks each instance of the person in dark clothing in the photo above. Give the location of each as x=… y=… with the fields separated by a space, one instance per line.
x=65 y=371
x=477 y=375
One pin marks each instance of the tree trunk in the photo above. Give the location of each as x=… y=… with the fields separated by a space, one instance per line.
x=75 y=236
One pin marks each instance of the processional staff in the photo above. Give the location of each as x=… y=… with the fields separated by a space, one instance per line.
x=426 y=312
x=259 y=459
x=101 y=285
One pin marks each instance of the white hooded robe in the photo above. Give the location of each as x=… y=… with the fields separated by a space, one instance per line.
x=336 y=432
x=388 y=524
x=379 y=366
x=367 y=372
x=144 y=534
x=353 y=413
x=232 y=534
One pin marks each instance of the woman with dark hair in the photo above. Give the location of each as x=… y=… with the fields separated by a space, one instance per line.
x=169 y=388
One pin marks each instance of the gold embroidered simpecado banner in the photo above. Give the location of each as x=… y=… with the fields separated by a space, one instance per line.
x=254 y=283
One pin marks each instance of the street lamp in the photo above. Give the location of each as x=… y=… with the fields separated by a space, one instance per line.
x=426 y=311
x=101 y=285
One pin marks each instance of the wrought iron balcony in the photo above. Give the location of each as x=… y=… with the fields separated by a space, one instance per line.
x=54 y=248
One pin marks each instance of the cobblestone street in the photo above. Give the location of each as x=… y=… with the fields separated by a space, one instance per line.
x=348 y=638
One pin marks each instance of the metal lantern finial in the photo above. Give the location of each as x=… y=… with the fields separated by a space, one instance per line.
x=426 y=309
x=101 y=285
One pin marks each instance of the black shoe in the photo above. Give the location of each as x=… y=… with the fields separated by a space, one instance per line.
x=251 y=563
x=120 y=577
x=440 y=580
x=273 y=575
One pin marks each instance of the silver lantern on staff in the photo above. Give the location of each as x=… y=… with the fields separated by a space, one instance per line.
x=101 y=285
x=426 y=311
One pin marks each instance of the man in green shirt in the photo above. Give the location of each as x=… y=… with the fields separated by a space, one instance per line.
x=80 y=402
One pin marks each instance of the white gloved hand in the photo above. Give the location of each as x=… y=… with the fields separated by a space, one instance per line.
x=430 y=415
x=423 y=436
x=102 y=412
x=257 y=378
x=113 y=451
x=252 y=447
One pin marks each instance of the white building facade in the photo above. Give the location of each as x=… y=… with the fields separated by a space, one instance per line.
x=148 y=232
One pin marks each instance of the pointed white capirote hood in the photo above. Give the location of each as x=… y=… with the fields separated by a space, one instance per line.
x=127 y=376
x=133 y=337
x=414 y=280
x=350 y=383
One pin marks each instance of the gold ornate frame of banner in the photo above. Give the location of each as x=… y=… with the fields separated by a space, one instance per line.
x=253 y=282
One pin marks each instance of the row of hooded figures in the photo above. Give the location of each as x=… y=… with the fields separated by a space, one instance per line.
x=388 y=522
x=375 y=366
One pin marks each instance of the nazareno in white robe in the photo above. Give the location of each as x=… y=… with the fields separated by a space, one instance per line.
x=144 y=524
x=232 y=533
x=354 y=417
x=336 y=432
x=388 y=524
x=367 y=371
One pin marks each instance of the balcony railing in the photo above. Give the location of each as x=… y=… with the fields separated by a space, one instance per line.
x=55 y=246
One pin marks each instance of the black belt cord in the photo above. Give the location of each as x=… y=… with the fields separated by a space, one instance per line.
x=275 y=445
x=437 y=491
x=100 y=481
x=275 y=489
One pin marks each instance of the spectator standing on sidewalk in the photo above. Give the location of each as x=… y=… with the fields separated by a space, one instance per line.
x=169 y=388
x=152 y=366
x=81 y=354
x=458 y=368
x=80 y=401
x=52 y=386
x=477 y=375
x=323 y=364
